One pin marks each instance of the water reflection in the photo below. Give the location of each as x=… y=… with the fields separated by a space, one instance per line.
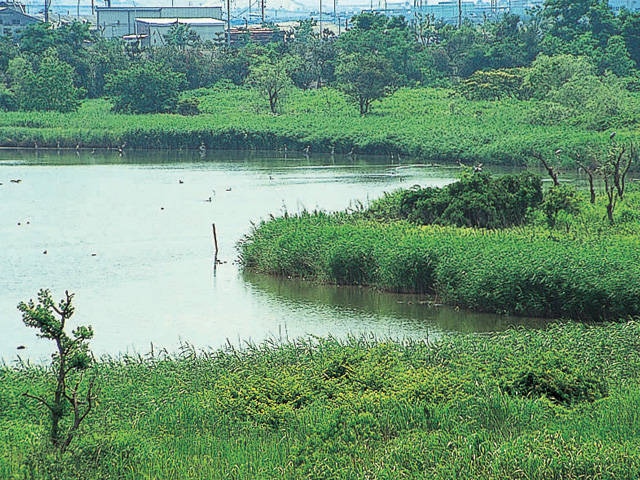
x=401 y=310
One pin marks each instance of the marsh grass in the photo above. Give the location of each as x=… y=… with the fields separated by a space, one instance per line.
x=424 y=123
x=587 y=270
x=355 y=408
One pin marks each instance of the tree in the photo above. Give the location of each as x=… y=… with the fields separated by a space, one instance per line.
x=314 y=57
x=145 y=87
x=182 y=36
x=74 y=395
x=630 y=30
x=37 y=38
x=547 y=74
x=616 y=58
x=271 y=79
x=365 y=77
x=106 y=55
x=48 y=87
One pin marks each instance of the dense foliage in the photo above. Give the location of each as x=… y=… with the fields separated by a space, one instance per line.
x=561 y=403
x=476 y=200
x=423 y=123
x=564 y=44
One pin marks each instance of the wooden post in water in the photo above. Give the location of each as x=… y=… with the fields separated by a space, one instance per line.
x=215 y=245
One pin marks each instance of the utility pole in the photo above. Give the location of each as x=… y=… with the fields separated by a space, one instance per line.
x=47 y=4
x=320 y=19
x=229 y=23
x=459 y=13
x=262 y=7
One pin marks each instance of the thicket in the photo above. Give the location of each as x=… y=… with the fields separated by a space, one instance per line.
x=477 y=200
x=583 y=70
x=555 y=403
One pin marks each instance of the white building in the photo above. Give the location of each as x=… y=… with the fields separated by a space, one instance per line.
x=116 y=22
x=13 y=19
x=152 y=31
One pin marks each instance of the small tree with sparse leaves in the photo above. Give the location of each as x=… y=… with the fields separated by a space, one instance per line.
x=74 y=394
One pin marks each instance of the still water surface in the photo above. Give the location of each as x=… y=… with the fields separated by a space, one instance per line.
x=132 y=238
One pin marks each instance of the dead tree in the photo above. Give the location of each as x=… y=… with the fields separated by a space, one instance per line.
x=591 y=172
x=550 y=170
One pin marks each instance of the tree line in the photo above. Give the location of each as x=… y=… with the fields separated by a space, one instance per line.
x=582 y=44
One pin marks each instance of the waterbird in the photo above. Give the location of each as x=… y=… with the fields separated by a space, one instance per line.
x=44 y=252
x=16 y=180
x=181 y=181
x=20 y=347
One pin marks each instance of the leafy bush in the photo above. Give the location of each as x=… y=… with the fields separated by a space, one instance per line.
x=492 y=84
x=188 y=106
x=145 y=88
x=560 y=199
x=476 y=200
x=553 y=377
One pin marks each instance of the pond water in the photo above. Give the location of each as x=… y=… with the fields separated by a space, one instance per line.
x=132 y=238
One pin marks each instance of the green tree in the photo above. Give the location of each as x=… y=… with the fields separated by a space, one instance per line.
x=547 y=74
x=271 y=79
x=182 y=36
x=145 y=87
x=630 y=31
x=105 y=56
x=365 y=77
x=313 y=57
x=615 y=58
x=74 y=396
x=37 y=38
x=48 y=87
x=567 y=20
x=390 y=38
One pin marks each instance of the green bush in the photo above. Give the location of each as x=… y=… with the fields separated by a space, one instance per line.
x=476 y=200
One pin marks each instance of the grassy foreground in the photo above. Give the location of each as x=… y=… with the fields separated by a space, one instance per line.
x=425 y=123
x=561 y=403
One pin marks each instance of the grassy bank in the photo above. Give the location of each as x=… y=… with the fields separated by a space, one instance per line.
x=424 y=123
x=584 y=269
x=561 y=403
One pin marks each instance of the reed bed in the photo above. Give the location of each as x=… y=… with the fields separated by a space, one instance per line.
x=424 y=123
x=591 y=272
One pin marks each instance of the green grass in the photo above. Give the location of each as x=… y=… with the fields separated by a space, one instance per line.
x=584 y=270
x=560 y=403
x=425 y=123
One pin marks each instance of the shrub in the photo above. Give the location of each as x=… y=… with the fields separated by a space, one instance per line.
x=476 y=200
x=188 y=106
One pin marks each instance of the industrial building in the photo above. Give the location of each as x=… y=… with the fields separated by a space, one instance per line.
x=117 y=22
x=13 y=19
x=153 y=31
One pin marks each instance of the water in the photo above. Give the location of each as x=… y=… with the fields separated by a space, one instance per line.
x=132 y=238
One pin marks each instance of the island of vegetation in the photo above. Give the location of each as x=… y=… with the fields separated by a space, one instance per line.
x=558 y=89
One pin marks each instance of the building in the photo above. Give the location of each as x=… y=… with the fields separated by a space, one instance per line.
x=116 y=22
x=263 y=35
x=13 y=19
x=153 y=31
